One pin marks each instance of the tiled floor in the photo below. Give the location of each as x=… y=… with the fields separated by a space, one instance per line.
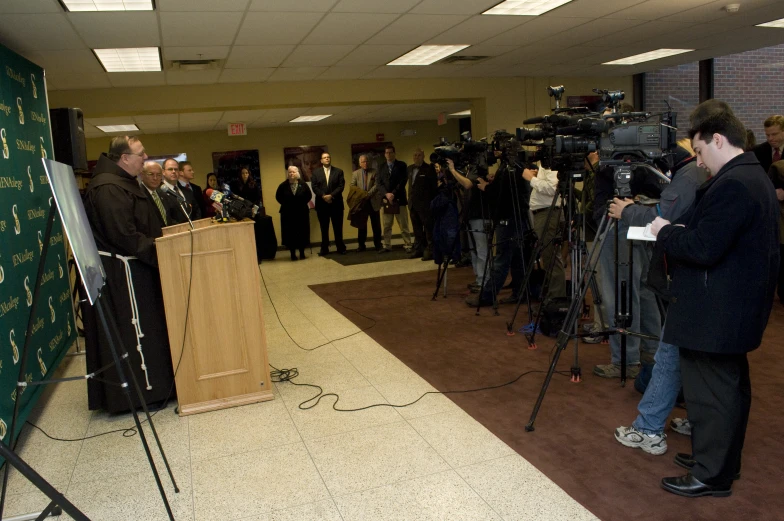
x=274 y=461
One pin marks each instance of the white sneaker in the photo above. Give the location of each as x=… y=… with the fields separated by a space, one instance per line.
x=681 y=426
x=655 y=444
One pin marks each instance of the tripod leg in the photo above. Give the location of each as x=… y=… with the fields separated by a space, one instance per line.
x=110 y=333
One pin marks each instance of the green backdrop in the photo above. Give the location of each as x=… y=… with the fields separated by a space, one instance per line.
x=25 y=197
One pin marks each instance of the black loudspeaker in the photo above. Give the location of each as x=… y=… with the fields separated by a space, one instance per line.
x=68 y=137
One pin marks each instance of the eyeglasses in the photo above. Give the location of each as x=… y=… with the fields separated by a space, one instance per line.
x=152 y=174
x=140 y=154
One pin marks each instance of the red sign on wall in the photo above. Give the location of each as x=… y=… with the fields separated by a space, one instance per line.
x=379 y=137
x=237 y=129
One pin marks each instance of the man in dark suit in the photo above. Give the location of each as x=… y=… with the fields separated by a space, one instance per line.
x=422 y=189
x=392 y=178
x=328 y=184
x=771 y=151
x=190 y=191
x=151 y=179
x=724 y=257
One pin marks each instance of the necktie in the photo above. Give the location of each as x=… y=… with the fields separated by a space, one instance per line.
x=159 y=204
x=776 y=155
x=364 y=180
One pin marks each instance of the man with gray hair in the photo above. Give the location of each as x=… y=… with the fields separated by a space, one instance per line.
x=422 y=189
x=365 y=178
x=125 y=224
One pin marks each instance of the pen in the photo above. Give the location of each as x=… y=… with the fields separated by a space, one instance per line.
x=658 y=209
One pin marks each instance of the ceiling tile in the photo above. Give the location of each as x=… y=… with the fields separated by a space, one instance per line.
x=541 y=27
x=374 y=6
x=122 y=120
x=30 y=6
x=749 y=13
x=196 y=127
x=189 y=118
x=345 y=73
x=592 y=8
x=374 y=55
x=313 y=6
x=436 y=71
x=156 y=120
x=274 y=117
x=66 y=61
x=219 y=52
x=296 y=73
x=317 y=55
x=38 y=32
x=455 y=6
x=67 y=81
x=257 y=56
x=201 y=5
x=478 y=29
x=655 y=9
x=245 y=75
x=192 y=77
x=415 y=29
x=241 y=116
x=265 y=28
x=392 y=71
x=116 y=30
x=487 y=50
x=137 y=79
x=199 y=29
x=333 y=28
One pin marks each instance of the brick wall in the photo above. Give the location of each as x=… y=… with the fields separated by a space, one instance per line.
x=751 y=82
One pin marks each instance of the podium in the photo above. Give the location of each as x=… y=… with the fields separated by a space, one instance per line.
x=224 y=357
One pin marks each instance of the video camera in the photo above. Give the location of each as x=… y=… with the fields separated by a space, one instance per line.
x=622 y=139
x=464 y=153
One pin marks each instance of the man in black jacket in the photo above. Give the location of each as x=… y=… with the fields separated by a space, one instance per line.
x=392 y=178
x=328 y=183
x=422 y=189
x=726 y=256
x=191 y=192
x=771 y=151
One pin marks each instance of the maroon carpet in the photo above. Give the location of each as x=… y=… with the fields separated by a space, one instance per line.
x=573 y=444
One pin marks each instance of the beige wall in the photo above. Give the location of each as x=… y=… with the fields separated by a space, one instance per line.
x=496 y=103
x=270 y=143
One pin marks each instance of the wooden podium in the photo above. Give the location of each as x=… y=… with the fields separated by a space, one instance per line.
x=224 y=359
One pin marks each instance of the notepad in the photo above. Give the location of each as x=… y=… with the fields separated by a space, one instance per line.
x=638 y=233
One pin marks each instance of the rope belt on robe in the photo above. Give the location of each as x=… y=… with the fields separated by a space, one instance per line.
x=134 y=309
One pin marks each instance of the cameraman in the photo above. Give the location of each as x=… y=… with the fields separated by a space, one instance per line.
x=647 y=431
x=645 y=312
x=511 y=194
x=478 y=216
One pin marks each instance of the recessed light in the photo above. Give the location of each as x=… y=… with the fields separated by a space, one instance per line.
x=309 y=119
x=108 y=5
x=117 y=128
x=141 y=59
x=463 y=113
x=525 y=7
x=775 y=23
x=427 y=54
x=647 y=56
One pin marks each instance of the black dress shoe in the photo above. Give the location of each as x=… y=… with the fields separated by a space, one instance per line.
x=689 y=486
x=685 y=460
x=415 y=255
x=361 y=249
x=344 y=252
x=323 y=253
x=384 y=250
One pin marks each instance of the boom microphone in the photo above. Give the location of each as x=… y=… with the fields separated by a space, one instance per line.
x=215 y=195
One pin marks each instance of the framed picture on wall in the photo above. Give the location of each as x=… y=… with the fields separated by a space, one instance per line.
x=374 y=152
x=240 y=170
x=306 y=158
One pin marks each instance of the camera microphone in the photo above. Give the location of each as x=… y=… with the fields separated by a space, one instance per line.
x=167 y=189
x=214 y=195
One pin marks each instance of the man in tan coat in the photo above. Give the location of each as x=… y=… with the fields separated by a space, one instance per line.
x=365 y=178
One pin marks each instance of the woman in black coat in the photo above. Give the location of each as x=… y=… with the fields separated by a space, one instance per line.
x=245 y=186
x=294 y=196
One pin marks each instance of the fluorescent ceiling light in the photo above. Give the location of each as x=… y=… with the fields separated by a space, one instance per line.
x=427 y=54
x=463 y=113
x=309 y=119
x=108 y=5
x=647 y=56
x=142 y=59
x=775 y=23
x=525 y=7
x=118 y=128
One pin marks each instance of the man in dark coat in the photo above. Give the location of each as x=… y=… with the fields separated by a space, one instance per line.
x=772 y=149
x=191 y=192
x=422 y=189
x=392 y=178
x=294 y=196
x=726 y=256
x=328 y=184
x=125 y=225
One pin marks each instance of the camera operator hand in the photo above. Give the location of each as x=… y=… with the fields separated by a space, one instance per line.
x=529 y=174
x=617 y=206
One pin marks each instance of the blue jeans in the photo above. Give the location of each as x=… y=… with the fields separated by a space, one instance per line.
x=645 y=312
x=508 y=257
x=662 y=391
x=476 y=227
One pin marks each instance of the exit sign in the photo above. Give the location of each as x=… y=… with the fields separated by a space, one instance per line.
x=238 y=129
